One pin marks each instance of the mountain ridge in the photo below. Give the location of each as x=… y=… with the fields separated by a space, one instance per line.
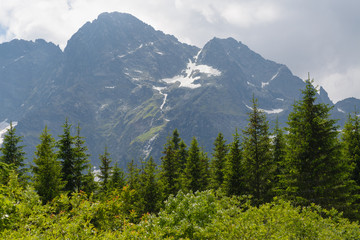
x=129 y=86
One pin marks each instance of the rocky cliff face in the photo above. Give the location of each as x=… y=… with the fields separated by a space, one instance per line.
x=129 y=86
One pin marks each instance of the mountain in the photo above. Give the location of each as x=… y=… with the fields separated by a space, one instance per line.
x=129 y=86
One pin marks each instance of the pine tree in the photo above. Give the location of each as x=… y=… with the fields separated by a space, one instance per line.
x=133 y=175
x=66 y=155
x=81 y=159
x=194 y=173
x=12 y=153
x=233 y=183
x=176 y=139
x=117 y=179
x=258 y=164
x=318 y=173
x=169 y=170
x=47 y=177
x=105 y=169
x=89 y=185
x=218 y=161
x=351 y=144
x=149 y=191
x=278 y=154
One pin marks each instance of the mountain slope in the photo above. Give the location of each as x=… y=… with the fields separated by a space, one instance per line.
x=129 y=86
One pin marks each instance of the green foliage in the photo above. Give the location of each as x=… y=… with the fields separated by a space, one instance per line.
x=278 y=154
x=81 y=159
x=196 y=172
x=233 y=172
x=117 y=178
x=258 y=163
x=105 y=169
x=149 y=190
x=47 y=179
x=169 y=176
x=66 y=154
x=317 y=172
x=218 y=162
x=13 y=154
x=351 y=144
x=89 y=185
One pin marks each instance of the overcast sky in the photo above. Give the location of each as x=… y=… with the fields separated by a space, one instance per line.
x=317 y=36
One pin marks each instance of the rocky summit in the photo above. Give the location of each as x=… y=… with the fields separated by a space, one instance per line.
x=129 y=86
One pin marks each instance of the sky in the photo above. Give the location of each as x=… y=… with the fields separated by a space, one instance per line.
x=320 y=37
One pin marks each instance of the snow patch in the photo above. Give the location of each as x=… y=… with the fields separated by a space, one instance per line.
x=280 y=99
x=272 y=111
x=340 y=110
x=17 y=59
x=109 y=87
x=250 y=84
x=4 y=127
x=148 y=146
x=264 y=84
x=187 y=80
x=160 y=53
x=164 y=94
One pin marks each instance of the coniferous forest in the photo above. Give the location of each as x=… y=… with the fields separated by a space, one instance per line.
x=297 y=182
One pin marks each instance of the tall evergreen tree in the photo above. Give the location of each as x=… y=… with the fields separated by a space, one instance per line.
x=81 y=159
x=117 y=179
x=218 y=162
x=149 y=191
x=12 y=152
x=233 y=183
x=351 y=144
x=194 y=173
x=89 y=185
x=66 y=155
x=176 y=139
x=278 y=154
x=181 y=155
x=258 y=164
x=47 y=177
x=105 y=169
x=169 y=170
x=318 y=173
x=133 y=175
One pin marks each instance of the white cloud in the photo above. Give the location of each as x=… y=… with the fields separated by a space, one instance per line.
x=340 y=85
x=250 y=13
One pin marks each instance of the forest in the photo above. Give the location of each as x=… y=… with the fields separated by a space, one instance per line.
x=297 y=182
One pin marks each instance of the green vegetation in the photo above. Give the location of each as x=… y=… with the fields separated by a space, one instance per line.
x=300 y=185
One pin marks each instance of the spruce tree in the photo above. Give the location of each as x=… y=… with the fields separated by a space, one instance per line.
x=81 y=159
x=169 y=170
x=194 y=173
x=218 y=162
x=105 y=169
x=181 y=155
x=351 y=144
x=133 y=175
x=149 y=190
x=12 y=153
x=258 y=164
x=278 y=154
x=66 y=155
x=89 y=185
x=176 y=139
x=318 y=173
x=117 y=179
x=233 y=183
x=47 y=177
